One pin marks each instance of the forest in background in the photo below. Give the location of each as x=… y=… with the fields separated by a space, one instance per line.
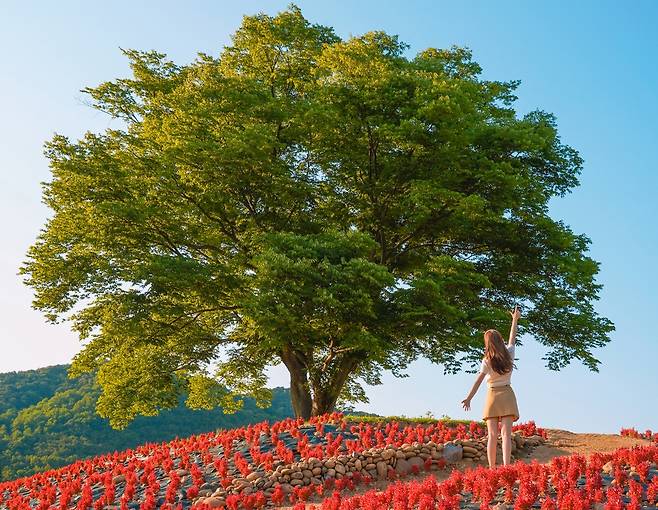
x=48 y=420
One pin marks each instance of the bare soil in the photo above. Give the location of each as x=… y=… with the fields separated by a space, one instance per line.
x=563 y=442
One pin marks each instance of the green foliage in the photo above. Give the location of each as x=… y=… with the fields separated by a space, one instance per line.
x=48 y=420
x=330 y=204
x=406 y=419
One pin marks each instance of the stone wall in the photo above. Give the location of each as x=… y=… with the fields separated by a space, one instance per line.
x=375 y=463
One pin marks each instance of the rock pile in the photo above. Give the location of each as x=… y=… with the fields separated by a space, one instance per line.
x=376 y=463
x=476 y=450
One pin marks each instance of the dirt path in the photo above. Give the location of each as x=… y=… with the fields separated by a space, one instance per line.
x=563 y=442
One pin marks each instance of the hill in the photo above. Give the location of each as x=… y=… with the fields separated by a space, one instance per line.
x=349 y=462
x=48 y=420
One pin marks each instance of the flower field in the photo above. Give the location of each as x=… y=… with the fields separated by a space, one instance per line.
x=247 y=467
x=319 y=464
x=624 y=479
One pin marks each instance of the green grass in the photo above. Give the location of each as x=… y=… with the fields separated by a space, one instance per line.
x=425 y=420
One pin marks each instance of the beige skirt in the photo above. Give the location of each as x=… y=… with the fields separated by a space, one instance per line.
x=500 y=401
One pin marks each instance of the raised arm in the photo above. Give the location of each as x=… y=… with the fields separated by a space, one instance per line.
x=516 y=313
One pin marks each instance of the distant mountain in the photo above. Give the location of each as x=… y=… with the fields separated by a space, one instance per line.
x=48 y=420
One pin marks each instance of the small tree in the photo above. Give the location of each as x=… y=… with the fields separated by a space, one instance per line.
x=332 y=205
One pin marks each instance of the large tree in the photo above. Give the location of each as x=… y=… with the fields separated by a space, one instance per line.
x=332 y=205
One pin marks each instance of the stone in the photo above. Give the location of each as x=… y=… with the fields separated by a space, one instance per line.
x=452 y=452
x=388 y=453
x=382 y=469
x=330 y=463
x=118 y=479
x=469 y=449
x=255 y=475
x=213 y=502
x=402 y=467
x=416 y=461
x=241 y=485
x=520 y=441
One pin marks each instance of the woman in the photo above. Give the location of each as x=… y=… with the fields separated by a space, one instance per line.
x=500 y=405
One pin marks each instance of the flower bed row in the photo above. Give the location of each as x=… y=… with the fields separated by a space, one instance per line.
x=647 y=434
x=304 y=479
x=179 y=472
x=625 y=479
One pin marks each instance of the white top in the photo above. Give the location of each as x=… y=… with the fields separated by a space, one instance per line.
x=494 y=378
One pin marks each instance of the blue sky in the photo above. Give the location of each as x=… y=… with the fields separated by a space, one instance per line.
x=590 y=63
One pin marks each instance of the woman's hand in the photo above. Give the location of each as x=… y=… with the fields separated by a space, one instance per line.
x=467 y=404
x=516 y=313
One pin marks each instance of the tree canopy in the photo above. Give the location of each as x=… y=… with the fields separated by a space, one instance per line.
x=333 y=205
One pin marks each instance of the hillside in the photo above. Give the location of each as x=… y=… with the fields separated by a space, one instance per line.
x=48 y=420
x=337 y=462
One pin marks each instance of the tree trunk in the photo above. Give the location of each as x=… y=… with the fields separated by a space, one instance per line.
x=324 y=401
x=326 y=396
x=326 y=390
x=300 y=392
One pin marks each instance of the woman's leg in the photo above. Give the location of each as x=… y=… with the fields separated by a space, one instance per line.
x=492 y=440
x=506 y=435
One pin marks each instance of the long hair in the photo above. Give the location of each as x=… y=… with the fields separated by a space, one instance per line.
x=496 y=353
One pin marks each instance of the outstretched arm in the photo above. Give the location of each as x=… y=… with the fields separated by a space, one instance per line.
x=516 y=313
x=467 y=401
